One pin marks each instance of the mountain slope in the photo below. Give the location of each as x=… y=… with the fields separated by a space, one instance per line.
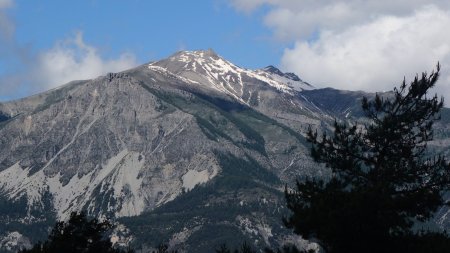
x=191 y=150
x=127 y=143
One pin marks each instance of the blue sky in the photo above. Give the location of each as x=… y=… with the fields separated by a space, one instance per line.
x=356 y=45
x=148 y=29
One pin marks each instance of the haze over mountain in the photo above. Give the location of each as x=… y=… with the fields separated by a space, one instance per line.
x=191 y=150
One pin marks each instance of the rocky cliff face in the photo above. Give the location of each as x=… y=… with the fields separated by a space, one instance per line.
x=191 y=150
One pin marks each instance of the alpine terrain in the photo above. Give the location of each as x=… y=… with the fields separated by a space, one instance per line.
x=192 y=151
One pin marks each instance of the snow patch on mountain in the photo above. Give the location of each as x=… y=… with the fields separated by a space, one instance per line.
x=223 y=75
x=166 y=72
x=286 y=79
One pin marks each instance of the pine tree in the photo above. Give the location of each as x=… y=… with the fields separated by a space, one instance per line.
x=223 y=249
x=77 y=235
x=288 y=249
x=383 y=180
x=163 y=248
x=244 y=248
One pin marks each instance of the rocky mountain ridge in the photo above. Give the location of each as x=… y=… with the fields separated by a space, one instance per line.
x=172 y=150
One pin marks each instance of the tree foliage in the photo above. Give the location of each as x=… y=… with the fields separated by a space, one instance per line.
x=383 y=180
x=78 y=235
x=163 y=248
x=289 y=249
x=244 y=248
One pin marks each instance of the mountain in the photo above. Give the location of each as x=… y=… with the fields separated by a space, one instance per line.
x=191 y=150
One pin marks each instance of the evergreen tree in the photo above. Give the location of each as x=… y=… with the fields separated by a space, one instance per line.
x=163 y=248
x=288 y=249
x=78 y=235
x=223 y=249
x=244 y=248
x=383 y=181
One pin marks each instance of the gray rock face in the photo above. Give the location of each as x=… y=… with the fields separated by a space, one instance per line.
x=107 y=137
x=192 y=138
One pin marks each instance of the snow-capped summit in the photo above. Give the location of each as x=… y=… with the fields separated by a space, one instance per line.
x=289 y=79
x=209 y=70
x=273 y=70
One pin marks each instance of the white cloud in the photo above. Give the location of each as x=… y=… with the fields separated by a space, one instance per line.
x=301 y=19
x=248 y=5
x=31 y=72
x=73 y=59
x=353 y=44
x=68 y=60
x=5 y=4
x=376 y=56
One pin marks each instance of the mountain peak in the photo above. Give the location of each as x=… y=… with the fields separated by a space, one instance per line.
x=195 y=54
x=209 y=52
x=208 y=69
x=292 y=76
x=274 y=70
